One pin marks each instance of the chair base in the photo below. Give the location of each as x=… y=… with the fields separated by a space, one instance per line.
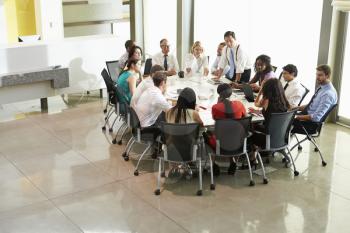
x=324 y=163
x=251 y=183
x=136 y=173
x=265 y=181
x=199 y=193
x=212 y=186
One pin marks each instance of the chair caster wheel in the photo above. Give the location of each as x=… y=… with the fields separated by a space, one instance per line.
x=103 y=128
x=114 y=141
x=199 y=193
x=111 y=130
x=300 y=148
x=105 y=111
x=316 y=150
x=212 y=186
x=157 y=192
x=287 y=165
x=251 y=183
x=136 y=173
x=124 y=154
x=126 y=158
x=265 y=181
x=267 y=161
x=324 y=163
x=162 y=174
x=296 y=173
x=105 y=118
x=119 y=142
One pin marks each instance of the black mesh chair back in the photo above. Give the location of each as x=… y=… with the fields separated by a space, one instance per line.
x=181 y=141
x=279 y=77
x=305 y=93
x=148 y=66
x=230 y=135
x=113 y=69
x=274 y=68
x=279 y=129
x=123 y=100
x=109 y=85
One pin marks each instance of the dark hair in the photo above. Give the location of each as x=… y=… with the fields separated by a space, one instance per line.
x=222 y=44
x=158 y=78
x=326 y=69
x=133 y=49
x=186 y=100
x=131 y=62
x=230 y=33
x=156 y=68
x=272 y=90
x=292 y=69
x=129 y=43
x=225 y=91
x=161 y=41
x=266 y=60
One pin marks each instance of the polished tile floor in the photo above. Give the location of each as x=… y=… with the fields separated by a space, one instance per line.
x=60 y=173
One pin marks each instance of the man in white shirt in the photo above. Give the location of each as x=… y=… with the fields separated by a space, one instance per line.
x=292 y=88
x=215 y=66
x=124 y=58
x=163 y=58
x=235 y=57
x=146 y=83
x=152 y=101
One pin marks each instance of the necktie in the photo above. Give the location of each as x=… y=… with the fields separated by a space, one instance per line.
x=285 y=86
x=232 y=63
x=165 y=62
x=312 y=99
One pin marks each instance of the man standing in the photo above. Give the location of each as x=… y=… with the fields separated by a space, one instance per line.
x=234 y=56
x=215 y=67
x=124 y=58
x=163 y=58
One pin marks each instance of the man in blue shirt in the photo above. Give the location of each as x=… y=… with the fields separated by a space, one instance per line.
x=324 y=98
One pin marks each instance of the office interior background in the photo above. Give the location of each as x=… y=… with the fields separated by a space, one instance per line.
x=83 y=35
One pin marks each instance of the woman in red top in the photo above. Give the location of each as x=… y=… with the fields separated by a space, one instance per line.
x=225 y=109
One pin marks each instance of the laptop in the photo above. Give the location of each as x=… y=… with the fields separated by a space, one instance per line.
x=248 y=92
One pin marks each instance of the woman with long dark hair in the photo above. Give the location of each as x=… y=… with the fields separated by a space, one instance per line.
x=263 y=72
x=127 y=80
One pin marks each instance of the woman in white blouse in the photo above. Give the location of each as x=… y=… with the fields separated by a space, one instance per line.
x=196 y=62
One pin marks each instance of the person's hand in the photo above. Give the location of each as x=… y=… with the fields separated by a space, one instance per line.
x=235 y=85
x=253 y=110
x=188 y=70
x=255 y=87
x=215 y=73
x=171 y=72
x=206 y=71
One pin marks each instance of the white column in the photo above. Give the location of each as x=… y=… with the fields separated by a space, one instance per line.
x=3 y=28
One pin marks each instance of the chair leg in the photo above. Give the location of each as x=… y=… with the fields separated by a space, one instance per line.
x=123 y=126
x=296 y=173
x=312 y=140
x=128 y=148
x=251 y=183
x=157 y=191
x=111 y=127
x=200 y=192
x=106 y=119
x=136 y=172
x=123 y=135
x=212 y=185
x=263 y=168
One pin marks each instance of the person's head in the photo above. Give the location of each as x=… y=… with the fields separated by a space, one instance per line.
x=159 y=80
x=323 y=73
x=135 y=52
x=186 y=100
x=129 y=44
x=230 y=38
x=224 y=90
x=197 y=49
x=220 y=47
x=156 y=68
x=164 y=45
x=272 y=90
x=263 y=64
x=289 y=72
x=133 y=65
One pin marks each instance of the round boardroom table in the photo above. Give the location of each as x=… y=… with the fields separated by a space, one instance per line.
x=206 y=94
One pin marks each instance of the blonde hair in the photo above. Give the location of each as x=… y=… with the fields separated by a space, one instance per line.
x=197 y=44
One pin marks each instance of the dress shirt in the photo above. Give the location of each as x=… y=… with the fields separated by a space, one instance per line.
x=294 y=91
x=197 y=65
x=144 y=85
x=158 y=59
x=242 y=61
x=122 y=60
x=215 y=66
x=322 y=101
x=150 y=105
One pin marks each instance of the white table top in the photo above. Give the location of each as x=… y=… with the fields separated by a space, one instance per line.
x=206 y=95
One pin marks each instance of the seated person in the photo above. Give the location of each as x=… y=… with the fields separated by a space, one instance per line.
x=124 y=58
x=271 y=99
x=263 y=72
x=163 y=58
x=292 y=88
x=184 y=112
x=323 y=99
x=215 y=67
x=196 y=62
x=144 y=85
x=152 y=101
x=225 y=109
x=126 y=82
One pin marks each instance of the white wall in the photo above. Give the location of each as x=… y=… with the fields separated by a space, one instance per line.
x=3 y=29
x=49 y=19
